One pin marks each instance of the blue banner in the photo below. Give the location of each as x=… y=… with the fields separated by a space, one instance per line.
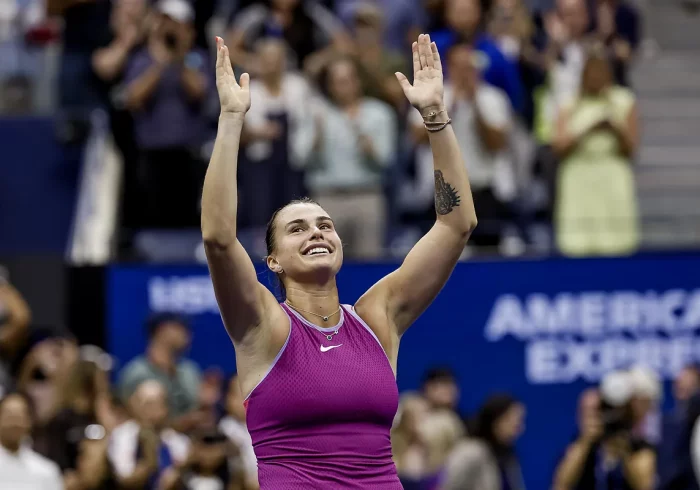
x=542 y=330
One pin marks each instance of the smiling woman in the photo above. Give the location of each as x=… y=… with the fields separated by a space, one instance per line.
x=320 y=375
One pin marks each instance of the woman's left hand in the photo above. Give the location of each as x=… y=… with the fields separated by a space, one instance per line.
x=427 y=89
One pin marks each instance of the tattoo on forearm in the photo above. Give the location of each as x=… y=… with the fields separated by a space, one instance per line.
x=446 y=197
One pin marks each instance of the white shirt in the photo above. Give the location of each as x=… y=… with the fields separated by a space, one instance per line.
x=124 y=442
x=238 y=434
x=294 y=89
x=486 y=169
x=28 y=470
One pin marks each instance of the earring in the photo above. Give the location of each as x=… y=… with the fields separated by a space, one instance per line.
x=281 y=271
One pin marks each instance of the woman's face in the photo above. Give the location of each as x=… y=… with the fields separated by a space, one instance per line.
x=307 y=247
x=285 y=5
x=463 y=15
x=343 y=82
x=596 y=76
x=510 y=425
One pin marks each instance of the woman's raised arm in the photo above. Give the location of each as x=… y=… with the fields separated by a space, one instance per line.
x=242 y=299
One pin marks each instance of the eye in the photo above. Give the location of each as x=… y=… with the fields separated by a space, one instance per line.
x=325 y=226
x=297 y=229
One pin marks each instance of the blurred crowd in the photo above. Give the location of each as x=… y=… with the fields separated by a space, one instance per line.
x=538 y=93
x=72 y=417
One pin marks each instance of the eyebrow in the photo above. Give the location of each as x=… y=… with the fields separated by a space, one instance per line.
x=302 y=221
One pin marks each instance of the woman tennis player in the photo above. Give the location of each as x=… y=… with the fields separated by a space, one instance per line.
x=320 y=376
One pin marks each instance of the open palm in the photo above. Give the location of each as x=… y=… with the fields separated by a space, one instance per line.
x=427 y=89
x=232 y=96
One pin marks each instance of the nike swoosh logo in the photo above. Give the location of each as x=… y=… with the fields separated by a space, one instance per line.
x=325 y=348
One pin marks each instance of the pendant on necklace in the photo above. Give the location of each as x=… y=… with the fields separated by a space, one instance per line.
x=325 y=318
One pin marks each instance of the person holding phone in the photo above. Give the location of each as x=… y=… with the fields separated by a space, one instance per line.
x=166 y=84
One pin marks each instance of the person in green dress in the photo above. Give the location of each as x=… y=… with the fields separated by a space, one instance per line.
x=595 y=138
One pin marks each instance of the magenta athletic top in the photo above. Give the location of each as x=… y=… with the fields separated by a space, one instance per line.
x=321 y=416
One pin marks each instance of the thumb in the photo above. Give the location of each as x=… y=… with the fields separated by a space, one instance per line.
x=245 y=81
x=403 y=81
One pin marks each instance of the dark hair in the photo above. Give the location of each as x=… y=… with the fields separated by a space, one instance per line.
x=493 y=409
x=439 y=374
x=156 y=320
x=271 y=242
x=324 y=76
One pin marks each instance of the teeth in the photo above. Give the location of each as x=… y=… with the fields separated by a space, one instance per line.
x=317 y=250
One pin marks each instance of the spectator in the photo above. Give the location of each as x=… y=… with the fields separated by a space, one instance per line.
x=377 y=63
x=482 y=120
x=207 y=467
x=20 y=467
x=14 y=321
x=166 y=85
x=675 y=470
x=440 y=389
x=144 y=449
x=129 y=28
x=169 y=338
x=85 y=29
x=596 y=137
x=20 y=62
x=273 y=138
x=407 y=442
x=607 y=455
x=618 y=26
x=513 y=29
x=564 y=55
x=84 y=407
x=44 y=372
x=403 y=20
x=465 y=20
x=233 y=426
x=311 y=32
x=487 y=460
x=354 y=142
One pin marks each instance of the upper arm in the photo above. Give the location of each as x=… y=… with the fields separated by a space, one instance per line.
x=409 y=290
x=643 y=464
x=383 y=134
x=244 y=302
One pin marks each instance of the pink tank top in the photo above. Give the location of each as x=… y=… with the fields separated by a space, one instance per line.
x=321 y=416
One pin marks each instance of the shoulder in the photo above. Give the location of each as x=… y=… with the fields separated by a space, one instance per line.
x=376 y=108
x=188 y=366
x=135 y=368
x=42 y=465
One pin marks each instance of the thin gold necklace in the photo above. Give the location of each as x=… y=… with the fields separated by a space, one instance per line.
x=323 y=317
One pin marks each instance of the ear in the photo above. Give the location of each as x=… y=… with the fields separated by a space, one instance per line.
x=273 y=265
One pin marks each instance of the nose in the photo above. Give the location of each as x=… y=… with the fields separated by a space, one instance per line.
x=316 y=233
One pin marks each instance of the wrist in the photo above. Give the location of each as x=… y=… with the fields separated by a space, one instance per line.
x=434 y=113
x=231 y=117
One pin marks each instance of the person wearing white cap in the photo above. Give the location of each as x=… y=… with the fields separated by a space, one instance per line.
x=166 y=86
x=607 y=455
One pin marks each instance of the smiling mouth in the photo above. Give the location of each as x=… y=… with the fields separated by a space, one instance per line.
x=318 y=251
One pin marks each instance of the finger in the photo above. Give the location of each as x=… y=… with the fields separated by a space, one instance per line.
x=219 y=57
x=245 y=81
x=422 y=52
x=428 y=52
x=403 y=81
x=437 y=64
x=228 y=67
x=416 y=59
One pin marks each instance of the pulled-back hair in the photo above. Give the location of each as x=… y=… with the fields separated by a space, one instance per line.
x=271 y=241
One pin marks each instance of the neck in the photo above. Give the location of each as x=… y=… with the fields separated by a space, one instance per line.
x=11 y=446
x=350 y=106
x=321 y=300
x=160 y=357
x=273 y=84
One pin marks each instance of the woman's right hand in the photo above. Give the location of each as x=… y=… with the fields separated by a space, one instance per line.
x=234 y=98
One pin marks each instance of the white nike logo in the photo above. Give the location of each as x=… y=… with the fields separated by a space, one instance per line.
x=329 y=347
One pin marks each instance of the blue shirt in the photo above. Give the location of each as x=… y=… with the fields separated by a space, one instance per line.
x=169 y=119
x=499 y=71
